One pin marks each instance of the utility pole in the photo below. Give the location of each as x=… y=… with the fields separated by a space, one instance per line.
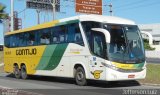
x=38 y=18
x=54 y=6
x=111 y=10
x=12 y=15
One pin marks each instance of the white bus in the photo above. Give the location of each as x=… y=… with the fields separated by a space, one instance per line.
x=82 y=47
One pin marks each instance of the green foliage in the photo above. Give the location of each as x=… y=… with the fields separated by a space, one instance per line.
x=147 y=46
x=3 y=15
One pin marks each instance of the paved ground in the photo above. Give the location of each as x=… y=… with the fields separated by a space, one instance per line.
x=38 y=85
x=153 y=60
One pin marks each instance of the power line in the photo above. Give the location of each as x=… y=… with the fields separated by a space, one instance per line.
x=69 y=0
x=22 y=11
x=142 y=5
x=130 y=4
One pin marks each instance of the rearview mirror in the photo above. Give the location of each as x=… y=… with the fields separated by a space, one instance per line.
x=105 y=32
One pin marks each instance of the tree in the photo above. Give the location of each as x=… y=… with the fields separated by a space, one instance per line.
x=146 y=45
x=3 y=15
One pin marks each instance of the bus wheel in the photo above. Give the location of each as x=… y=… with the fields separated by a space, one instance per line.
x=24 y=72
x=17 y=73
x=80 y=77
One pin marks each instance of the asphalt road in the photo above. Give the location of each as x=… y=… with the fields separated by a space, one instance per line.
x=39 y=85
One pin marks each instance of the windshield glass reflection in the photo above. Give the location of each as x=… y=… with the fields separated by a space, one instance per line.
x=126 y=44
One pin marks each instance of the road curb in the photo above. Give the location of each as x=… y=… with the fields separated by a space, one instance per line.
x=1 y=64
x=150 y=84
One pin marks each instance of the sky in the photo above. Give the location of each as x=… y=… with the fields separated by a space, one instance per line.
x=140 y=11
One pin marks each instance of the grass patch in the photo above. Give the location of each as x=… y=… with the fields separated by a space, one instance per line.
x=153 y=74
x=1 y=56
x=1 y=61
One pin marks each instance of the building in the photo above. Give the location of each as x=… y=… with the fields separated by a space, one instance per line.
x=152 y=32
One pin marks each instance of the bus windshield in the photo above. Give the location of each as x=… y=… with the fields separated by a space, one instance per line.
x=125 y=45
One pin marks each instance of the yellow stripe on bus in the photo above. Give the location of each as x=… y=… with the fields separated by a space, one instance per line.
x=123 y=66
x=40 y=26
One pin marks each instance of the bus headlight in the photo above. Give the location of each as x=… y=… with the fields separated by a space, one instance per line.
x=144 y=67
x=112 y=66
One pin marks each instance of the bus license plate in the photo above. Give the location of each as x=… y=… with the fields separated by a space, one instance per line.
x=131 y=76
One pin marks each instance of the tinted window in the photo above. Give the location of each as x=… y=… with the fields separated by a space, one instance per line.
x=45 y=36
x=95 y=39
x=55 y=35
x=69 y=33
x=62 y=34
x=31 y=39
x=98 y=46
x=13 y=41
x=23 y=37
x=7 y=41
x=74 y=34
x=117 y=39
x=59 y=34
x=87 y=26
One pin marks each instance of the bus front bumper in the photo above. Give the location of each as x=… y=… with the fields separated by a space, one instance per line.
x=113 y=75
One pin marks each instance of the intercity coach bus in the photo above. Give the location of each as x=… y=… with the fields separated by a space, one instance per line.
x=82 y=47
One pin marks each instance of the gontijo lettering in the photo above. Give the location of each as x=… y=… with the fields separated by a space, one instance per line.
x=32 y=51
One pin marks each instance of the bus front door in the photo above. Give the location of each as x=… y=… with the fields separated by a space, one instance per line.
x=98 y=48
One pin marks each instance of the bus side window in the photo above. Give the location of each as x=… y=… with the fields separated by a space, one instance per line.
x=7 y=41
x=70 y=33
x=21 y=40
x=78 y=36
x=62 y=34
x=98 y=46
x=13 y=41
x=62 y=38
x=31 y=39
x=59 y=34
x=55 y=35
x=45 y=36
x=55 y=39
x=74 y=34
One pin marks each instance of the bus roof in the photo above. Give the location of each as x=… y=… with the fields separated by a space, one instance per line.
x=97 y=18
x=100 y=18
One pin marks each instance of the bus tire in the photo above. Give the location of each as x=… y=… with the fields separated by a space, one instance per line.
x=16 y=72
x=23 y=72
x=80 y=77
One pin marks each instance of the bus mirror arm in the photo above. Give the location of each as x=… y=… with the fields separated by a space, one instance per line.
x=105 y=32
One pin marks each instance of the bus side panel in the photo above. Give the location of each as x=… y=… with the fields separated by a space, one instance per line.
x=8 y=60
x=73 y=54
x=32 y=61
x=8 y=65
x=78 y=56
x=29 y=56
